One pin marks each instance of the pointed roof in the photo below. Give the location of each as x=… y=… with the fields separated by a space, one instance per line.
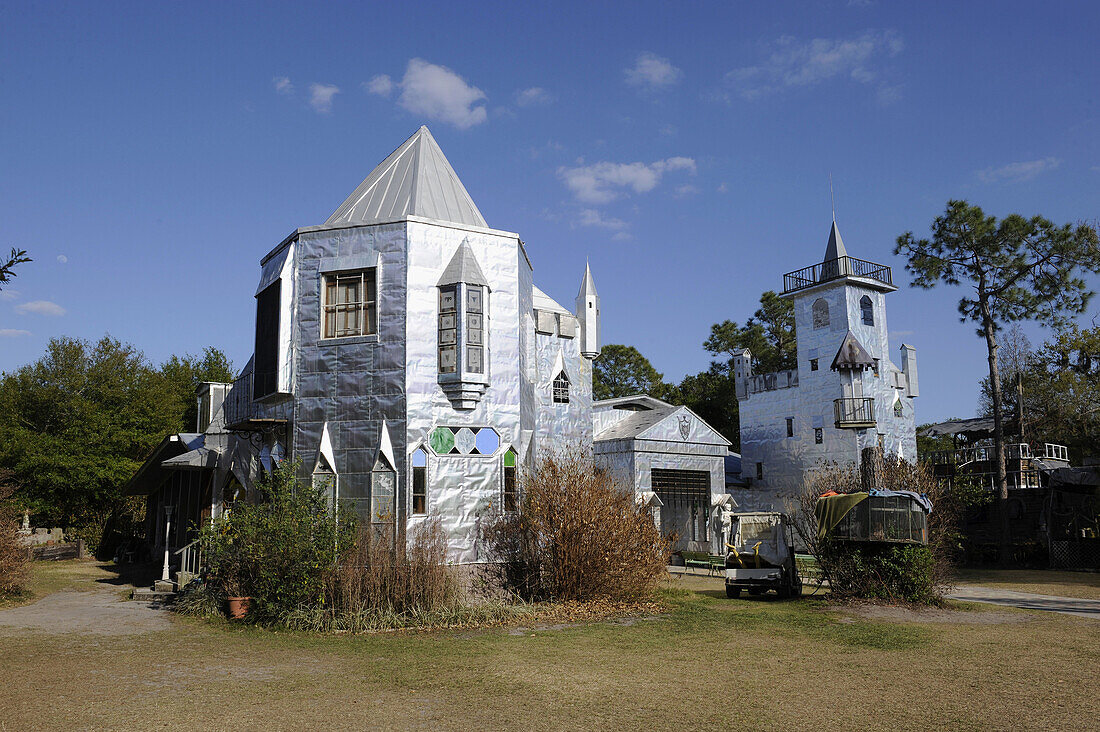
x=835 y=248
x=588 y=287
x=463 y=267
x=415 y=180
x=852 y=355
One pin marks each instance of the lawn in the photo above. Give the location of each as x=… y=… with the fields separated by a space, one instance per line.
x=709 y=663
x=1085 y=585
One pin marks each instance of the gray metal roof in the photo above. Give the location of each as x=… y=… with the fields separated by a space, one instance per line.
x=463 y=267
x=852 y=355
x=636 y=423
x=415 y=180
x=541 y=301
x=835 y=248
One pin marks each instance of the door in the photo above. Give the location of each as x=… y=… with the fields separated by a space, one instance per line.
x=686 y=498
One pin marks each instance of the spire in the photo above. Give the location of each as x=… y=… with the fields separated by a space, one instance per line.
x=415 y=180
x=835 y=248
x=588 y=287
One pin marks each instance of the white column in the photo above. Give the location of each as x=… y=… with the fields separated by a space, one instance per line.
x=167 y=534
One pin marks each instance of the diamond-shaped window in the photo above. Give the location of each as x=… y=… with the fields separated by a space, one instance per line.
x=487 y=441
x=442 y=440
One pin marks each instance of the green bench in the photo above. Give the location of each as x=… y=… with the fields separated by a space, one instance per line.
x=709 y=562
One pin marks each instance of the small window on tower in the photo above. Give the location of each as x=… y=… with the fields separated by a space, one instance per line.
x=820 y=313
x=818 y=436
x=561 y=388
x=867 y=310
x=897 y=408
x=813 y=364
x=448 y=330
x=760 y=471
x=790 y=426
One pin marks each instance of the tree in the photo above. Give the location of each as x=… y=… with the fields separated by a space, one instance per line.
x=623 y=371
x=1017 y=269
x=18 y=256
x=185 y=373
x=769 y=334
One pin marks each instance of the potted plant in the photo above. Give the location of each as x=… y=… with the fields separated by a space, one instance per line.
x=238 y=604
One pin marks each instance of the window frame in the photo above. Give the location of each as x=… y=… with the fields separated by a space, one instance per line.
x=365 y=308
x=815 y=311
x=819 y=435
x=814 y=364
x=418 y=483
x=559 y=387
x=509 y=485
x=790 y=426
x=867 y=310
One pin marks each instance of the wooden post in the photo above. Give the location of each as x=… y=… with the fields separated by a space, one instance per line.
x=871 y=469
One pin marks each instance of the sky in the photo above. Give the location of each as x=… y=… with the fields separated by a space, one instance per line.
x=152 y=153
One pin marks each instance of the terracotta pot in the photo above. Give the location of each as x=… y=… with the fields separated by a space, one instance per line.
x=238 y=607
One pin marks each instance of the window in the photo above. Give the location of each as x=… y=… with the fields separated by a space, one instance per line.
x=818 y=436
x=448 y=330
x=419 y=482
x=882 y=441
x=813 y=364
x=265 y=369
x=561 y=388
x=867 y=310
x=350 y=304
x=510 y=497
x=382 y=489
x=760 y=471
x=475 y=329
x=897 y=408
x=874 y=367
x=820 y=313
x=790 y=426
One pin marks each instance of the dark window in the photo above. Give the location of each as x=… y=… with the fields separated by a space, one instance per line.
x=867 y=310
x=897 y=408
x=760 y=471
x=265 y=368
x=813 y=364
x=818 y=436
x=350 y=304
x=820 y=313
x=561 y=388
x=510 y=497
x=686 y=487
x=790 y=426
x=448 y=330
x=420 y=482
x=874 y=367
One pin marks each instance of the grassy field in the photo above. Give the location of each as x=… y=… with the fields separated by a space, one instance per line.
x=709 y=663
x=1084 y=585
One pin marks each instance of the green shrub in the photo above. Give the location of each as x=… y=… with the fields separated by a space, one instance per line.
x=894 y=572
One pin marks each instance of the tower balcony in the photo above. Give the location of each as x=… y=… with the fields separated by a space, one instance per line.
x=854 y=413
x=836 y=269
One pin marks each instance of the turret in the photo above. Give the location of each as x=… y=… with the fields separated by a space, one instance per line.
x=588 y=314
x=742 y=372
x=909 y=368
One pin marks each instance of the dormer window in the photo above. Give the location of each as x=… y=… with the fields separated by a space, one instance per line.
x=561 y=388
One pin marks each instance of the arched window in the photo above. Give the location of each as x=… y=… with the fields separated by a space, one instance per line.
x=867 y=310
x=420 y=482
x=561 y=388
x=821 y=313
x=383 y=485
x=897 y=408
x=510 y=496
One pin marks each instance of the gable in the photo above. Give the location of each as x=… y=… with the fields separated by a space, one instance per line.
x=684 y=425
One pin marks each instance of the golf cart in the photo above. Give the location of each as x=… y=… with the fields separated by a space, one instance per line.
x=761 y=556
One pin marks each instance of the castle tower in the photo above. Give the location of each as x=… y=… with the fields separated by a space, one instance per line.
x=588 y=314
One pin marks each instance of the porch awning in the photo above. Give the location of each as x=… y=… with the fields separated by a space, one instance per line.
x=202 y=458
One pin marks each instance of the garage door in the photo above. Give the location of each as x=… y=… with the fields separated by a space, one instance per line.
x=681 y=486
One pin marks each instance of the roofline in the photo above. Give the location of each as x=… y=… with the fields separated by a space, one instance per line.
x=845 y=280
x=631 y=398
x=403 y=220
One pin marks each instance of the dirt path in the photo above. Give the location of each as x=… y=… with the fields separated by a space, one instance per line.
x=100 y=611
x=1028 y=601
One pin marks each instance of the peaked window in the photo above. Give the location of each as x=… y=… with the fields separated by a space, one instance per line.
x=561 y=388
x=382 y=489
x=867 y=310
x=510 y=494
x=420 y=482
x=820 y=313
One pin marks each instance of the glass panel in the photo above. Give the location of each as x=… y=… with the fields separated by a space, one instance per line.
x=446 y=300
x=510 y=458
x=419 y=459
x=488 y=441
x=420 y=489
x=447 y=320
x=473 y=360
x=473 y=299
x=382 y=490
x=442 y=440
x=448 y=360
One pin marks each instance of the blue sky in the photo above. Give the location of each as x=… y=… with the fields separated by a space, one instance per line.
x=151 y=153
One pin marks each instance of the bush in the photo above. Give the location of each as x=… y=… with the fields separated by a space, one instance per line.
x=882 y=571
x=577 y=536
x=280 y=551
x=13 y=555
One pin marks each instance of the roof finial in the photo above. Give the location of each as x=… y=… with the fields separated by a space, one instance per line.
x=832 y=199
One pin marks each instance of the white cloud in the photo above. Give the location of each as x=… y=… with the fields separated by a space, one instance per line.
x=62 y=258
x=9 y=294
x=283 y=85
x=440 y=94
x=621 y=236
x=13 y=332
x=381 y=85
x=1018 y=172
x=652 y=72
x=598 y=183
x=667 y=130
x=722 y=188
x=592 y=217
x=533 y=97
x=686 y=190
x=888 y=94
x=320 y=96
x=40 y=307
x=794 y=63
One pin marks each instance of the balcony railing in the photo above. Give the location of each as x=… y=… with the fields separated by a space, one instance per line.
x=834 y=269
x=238 y=405
x=854 y=412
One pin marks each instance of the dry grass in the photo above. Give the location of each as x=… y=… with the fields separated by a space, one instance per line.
x=708 y=663
x=1083 y=585
x=13 y=556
